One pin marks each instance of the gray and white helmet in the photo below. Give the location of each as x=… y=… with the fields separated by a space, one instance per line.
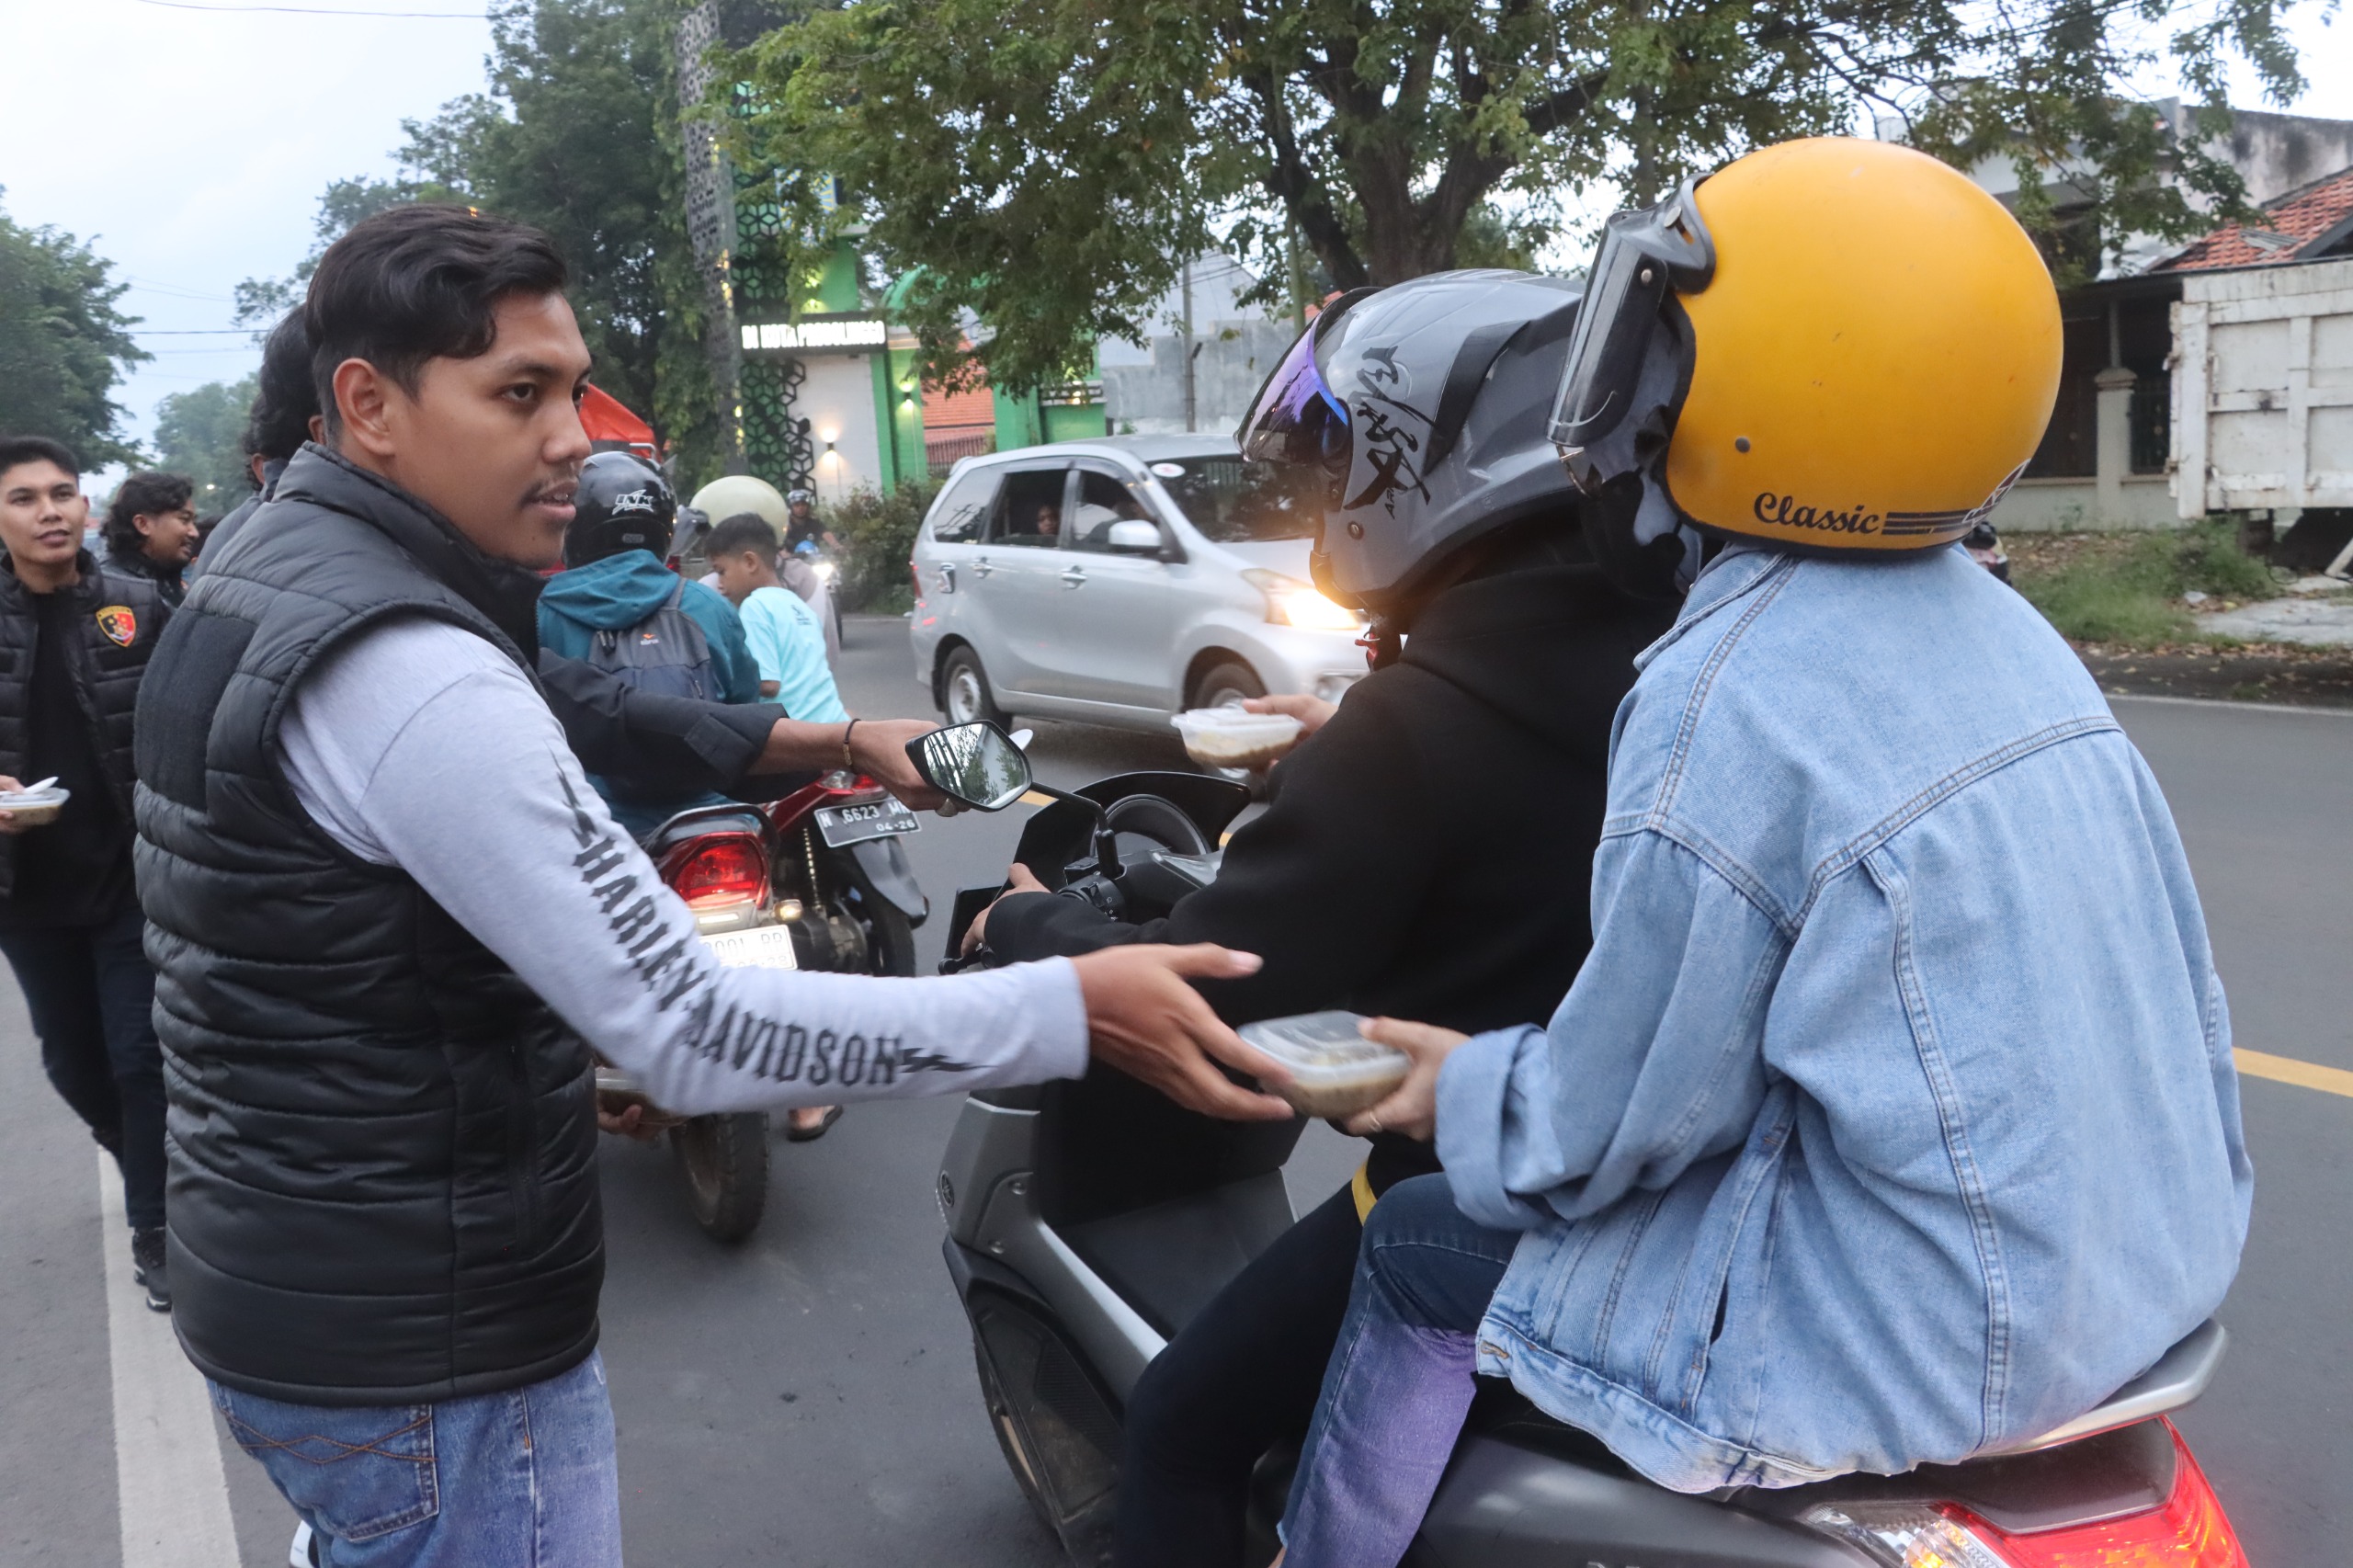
x=1419 y=415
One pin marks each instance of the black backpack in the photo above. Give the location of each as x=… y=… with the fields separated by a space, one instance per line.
x=666 y=652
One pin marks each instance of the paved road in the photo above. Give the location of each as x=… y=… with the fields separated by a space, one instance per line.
x=808 y=1399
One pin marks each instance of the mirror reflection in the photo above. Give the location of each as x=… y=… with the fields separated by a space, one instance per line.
x=977 y=764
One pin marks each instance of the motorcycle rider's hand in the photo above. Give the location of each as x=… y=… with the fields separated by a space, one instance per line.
x=1020 y=879
x=1412 y=1110
x=880 y=747
x=9 y=824
x=1313 y=713
x=1145 y=1019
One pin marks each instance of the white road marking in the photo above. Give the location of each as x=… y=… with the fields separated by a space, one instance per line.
x=168 y=1485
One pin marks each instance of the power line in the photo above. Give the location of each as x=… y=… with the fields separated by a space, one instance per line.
x=194 y=332
x=316 y=11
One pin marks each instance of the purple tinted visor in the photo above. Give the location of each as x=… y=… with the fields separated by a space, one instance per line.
x=1296 y=418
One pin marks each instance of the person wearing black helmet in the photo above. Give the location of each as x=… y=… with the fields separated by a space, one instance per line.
x=618 y=607
x=1414 y=418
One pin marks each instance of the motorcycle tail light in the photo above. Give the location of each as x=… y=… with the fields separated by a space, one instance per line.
x=723 y=871
x=2188 y=1530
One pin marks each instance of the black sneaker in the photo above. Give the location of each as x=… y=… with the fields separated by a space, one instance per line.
x=147 y=1266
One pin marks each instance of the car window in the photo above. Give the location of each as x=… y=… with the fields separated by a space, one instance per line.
x=1103 y=500
x=1234 y=502
x=1029 y=508
x=958 y=516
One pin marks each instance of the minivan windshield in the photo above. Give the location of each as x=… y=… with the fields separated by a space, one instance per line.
x=1234 y=502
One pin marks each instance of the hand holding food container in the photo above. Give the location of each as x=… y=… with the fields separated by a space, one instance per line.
x=1370 y=1075
x=29 y=805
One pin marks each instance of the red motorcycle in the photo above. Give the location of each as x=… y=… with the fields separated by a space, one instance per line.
x=815 y=881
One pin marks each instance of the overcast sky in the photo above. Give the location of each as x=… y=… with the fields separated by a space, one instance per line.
x=190 y=142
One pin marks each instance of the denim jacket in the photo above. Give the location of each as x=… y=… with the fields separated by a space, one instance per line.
x=1893 y=1116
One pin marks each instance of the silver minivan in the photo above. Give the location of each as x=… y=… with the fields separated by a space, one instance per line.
x=1118 y=582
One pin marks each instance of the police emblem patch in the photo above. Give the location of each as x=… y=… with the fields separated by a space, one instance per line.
x=119 y=625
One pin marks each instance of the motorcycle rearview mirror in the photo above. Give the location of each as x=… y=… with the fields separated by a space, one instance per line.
x=1023 y=737
x=977 y=764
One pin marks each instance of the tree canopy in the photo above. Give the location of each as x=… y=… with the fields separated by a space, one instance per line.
x=198 y=434
x=64 y=344
x=1048 y=163
x=577 y=134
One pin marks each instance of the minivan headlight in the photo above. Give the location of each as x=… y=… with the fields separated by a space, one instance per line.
x=1290 y=602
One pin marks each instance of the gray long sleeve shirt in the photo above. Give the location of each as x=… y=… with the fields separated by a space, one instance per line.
x=419 y=744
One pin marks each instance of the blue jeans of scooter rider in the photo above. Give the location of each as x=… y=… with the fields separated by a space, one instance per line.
x=1400 y=1380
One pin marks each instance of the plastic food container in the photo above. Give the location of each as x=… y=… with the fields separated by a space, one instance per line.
x=33 y=808
x=1231 y=737
x=1336 y=1071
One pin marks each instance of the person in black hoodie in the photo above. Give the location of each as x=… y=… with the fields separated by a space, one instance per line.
x=1425 y=854
x=75 y=638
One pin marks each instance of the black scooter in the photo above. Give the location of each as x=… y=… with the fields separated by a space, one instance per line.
x=1088 y=1220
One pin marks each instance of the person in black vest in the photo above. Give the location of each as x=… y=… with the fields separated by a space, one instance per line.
x=151 y=530
x=283 y=414
x=676 y=744
x=75 y=639
x=392 y=920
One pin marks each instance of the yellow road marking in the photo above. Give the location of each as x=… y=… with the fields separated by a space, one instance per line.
x=2288 y=1069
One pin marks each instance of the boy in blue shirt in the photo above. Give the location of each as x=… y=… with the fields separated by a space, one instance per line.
x=618 y=606
x=786 y=641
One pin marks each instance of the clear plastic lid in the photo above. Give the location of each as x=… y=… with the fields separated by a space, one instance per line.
x=1325 y=1048
x=1237 y=725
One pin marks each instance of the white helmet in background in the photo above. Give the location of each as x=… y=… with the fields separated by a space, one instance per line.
x=737 y=493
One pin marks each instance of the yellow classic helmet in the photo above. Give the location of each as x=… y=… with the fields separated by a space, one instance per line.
x=1846 y=346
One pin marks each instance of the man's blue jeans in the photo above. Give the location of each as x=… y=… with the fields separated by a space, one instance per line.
x=1399 y=1382
x=523 y=1479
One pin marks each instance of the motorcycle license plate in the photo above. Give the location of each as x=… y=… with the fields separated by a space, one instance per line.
x=764 y=947
x=838 y=825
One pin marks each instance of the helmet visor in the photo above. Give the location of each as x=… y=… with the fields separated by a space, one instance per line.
x=1296 y=419
x=1643 y=254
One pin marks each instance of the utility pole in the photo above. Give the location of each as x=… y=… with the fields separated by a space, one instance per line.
x=1186 y=345
x=710 y=223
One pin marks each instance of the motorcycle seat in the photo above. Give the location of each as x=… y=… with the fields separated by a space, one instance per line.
x=2180 y=1375
x=700 y=821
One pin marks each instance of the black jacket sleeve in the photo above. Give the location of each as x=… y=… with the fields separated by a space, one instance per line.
x=664 y=742
x=1316 y=885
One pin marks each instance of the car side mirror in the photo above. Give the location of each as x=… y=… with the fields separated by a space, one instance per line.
x=1133 y=536
x=978 y=765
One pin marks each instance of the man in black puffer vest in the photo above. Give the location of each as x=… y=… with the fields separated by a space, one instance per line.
x=392 y=920
x=74 y=642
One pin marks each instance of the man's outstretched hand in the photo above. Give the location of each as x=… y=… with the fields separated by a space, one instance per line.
x=1143 y=1018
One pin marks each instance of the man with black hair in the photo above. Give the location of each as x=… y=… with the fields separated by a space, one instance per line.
x=74 y=637
x=284 y=414
x=672 y=742
x=151 y=530
x=393 y=920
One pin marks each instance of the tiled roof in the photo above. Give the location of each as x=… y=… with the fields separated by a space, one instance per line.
x=2292 y=229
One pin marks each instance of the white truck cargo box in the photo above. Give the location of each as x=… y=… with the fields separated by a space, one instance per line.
x=2263 y=389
